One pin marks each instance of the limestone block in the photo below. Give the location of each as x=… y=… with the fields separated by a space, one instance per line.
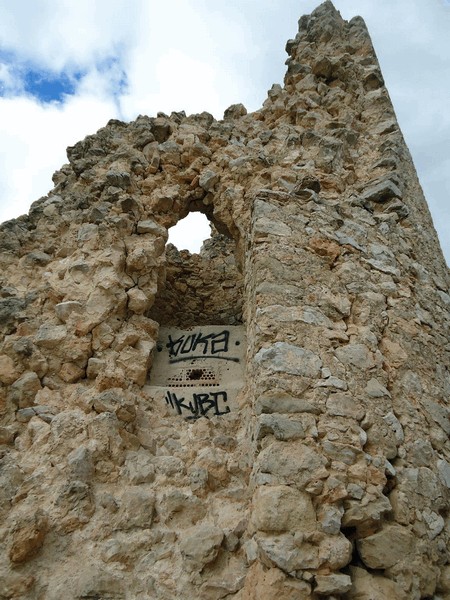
x=366 y=586
x=8 y=370
x=208 y=180
x=335 y=583
x=375 y=389
x=385 y=548
x=335 y=552
x=382 y=191
x=50 y=336
x=227 y=582
x=279 y=401
x=344 y=405
x=357 y=355
x=281 y=427
x=150 y=226
x=139 y=467
x=286 y=358
x=74 y=506
x=65 y=309
x=138 y=302
x=283 y=552
x=200 y=545
x=281 y=508
x=268 y=583
x=94 y=367
x=24 y=390
x=137 y=508
x=358 y=513
x=135 y=362
x=265 y=226
x=81 y=464
x=294 y=462
x=71 y=372
x=28 y=536
x=443 y=468
x=115 y=401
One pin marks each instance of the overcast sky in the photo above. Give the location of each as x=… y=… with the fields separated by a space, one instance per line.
x=67 y=67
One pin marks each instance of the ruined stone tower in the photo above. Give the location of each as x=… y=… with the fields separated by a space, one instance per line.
x=264 y=420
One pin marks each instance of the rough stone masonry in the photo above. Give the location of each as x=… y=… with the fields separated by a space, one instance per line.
x=329 y=476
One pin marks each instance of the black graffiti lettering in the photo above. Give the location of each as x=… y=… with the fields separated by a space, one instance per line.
x=212 y=343
x=202 y=340
x=174 y=345
x=178 y=403
x=202 y=405
x=216 y=395
x=219 y=343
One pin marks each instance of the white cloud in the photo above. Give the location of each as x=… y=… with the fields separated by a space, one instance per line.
x=197 y=55
x=34 y=138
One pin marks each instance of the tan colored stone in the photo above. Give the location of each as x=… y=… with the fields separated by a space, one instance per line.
x=281 y=508
x=393 y=543
x=28 y=537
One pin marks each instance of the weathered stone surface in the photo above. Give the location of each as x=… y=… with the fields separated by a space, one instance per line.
x=332 y=584
x=334 y=440
x=384 y=549
x=286 y=358
x=200 y=545
x=281 y=508
x=28 y=536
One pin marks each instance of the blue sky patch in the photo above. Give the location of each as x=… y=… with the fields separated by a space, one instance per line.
x=48 y=87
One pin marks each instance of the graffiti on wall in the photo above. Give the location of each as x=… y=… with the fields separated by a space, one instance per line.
x=199 y=371
x=204 y=404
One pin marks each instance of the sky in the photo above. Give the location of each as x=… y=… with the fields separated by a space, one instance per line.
x=67 y=67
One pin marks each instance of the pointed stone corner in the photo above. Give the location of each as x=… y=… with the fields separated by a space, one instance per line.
x=326 y=8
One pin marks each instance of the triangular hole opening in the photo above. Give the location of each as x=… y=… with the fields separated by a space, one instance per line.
x=190 y=232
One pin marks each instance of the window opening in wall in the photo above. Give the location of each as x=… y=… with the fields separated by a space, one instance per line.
x=203 y=287
x=190 y=232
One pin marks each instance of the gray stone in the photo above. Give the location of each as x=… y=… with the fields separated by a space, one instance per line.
x=50 y=336
x=200 y=545
x=443 y=468
x=283 y=552
x=65 y=309
x=382 y=191
x=396 y=426
x=208 y=180
x=149 y=226
x=387 y=547
x=286 y=358
x=282 y=508
x=335 y=583
x=343 y=405
x=139 y=467
x=375 y=389
x=81 y=464
x=281 y=427
x=438 y=413
x=357 y=513
x=24 y=390
x=137 y=508
x=279 y=401
x=435 y=523
x=23 y=415
x=266 y=226
x=235 y=111
x=357 y=355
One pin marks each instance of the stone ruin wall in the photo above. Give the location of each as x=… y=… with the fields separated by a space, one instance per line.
x=330 y=477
